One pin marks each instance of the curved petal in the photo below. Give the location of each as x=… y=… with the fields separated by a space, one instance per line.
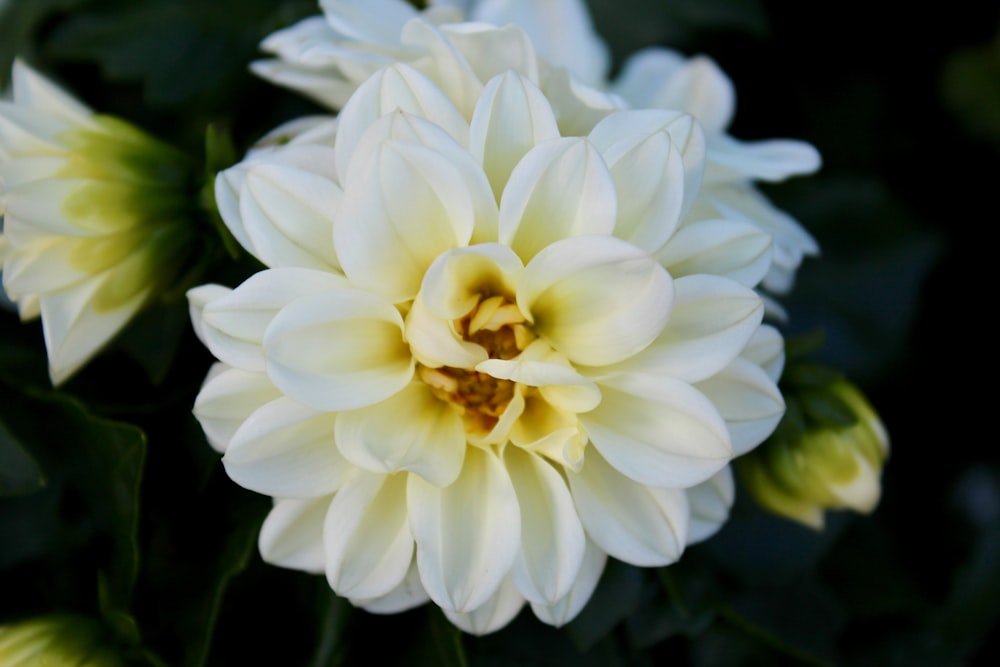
x=493 y=614
x=552 y=540
x=292 y=534
x=232 y=324
x=596 y=299
x=407 y=206
x=287 y=450
x=712 y=320
x=412 y=430
x=566 y=609
x=467 y=533
x=227 y=397
x=772 y=160
x=559 y=189
x=36 y=92
x=434 y=342
x=637 y=524
x=658 y=431
x=409 y=593
x=367 y=537
x=621 y=133
x=397 y=87
x=710 y=503
x=493 y=49
x=444 y=63
x=338 y=350
x=729 y=248
x=459 y=278
x=511 y=117
x=766 y=349
x=748 y=400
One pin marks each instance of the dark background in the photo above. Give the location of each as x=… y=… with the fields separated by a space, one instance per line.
x=904 y=106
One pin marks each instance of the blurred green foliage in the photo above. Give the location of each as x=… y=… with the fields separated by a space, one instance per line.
x=112 y=504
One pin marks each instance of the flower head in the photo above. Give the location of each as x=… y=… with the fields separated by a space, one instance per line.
x=93 y=222
x=485 y=355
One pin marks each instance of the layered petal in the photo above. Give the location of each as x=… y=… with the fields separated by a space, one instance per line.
x=292 y=534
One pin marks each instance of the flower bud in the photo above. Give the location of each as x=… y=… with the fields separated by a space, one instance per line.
x=95 y=217
x=56 y=641
x=827 y=454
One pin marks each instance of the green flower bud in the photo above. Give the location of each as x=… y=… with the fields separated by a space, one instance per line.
x=827 y=454
x=56 y=641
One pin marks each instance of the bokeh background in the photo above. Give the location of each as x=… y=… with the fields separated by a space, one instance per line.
x=136 y=521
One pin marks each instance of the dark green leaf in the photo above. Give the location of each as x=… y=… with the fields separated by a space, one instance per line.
x=331 y=646
x=19 y=473
x=447 y=640
x=617 y=595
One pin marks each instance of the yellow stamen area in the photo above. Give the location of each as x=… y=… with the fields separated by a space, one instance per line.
x=498 y=326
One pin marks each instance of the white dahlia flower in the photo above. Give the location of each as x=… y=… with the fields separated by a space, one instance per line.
x=93 y=218
x=326 y=57
x=484 y=356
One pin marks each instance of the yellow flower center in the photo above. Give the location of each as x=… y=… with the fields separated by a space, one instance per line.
x=496 y=325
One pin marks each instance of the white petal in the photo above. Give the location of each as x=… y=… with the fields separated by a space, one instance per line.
x=621 y=133
x=408 y=594
x=199 y=297
x=292 y=534
x=637 y=524
x=511 y=117
x=287 y=450
x=399 y=87
x=490 y=50
x=378 y=21
x=560 y=188
x=227 y=397
x=552 y=541
x=767 y=350
x=412 y=430
x=712 y=320
x=404 y=209
x=566 y=609
x=367 y=536
x=596 y=299
x=434 y=342
x=728 y=248
x=710 y=503
x=659 y=431
x=493 y=614
x=748 y=400
x=444 y=64
x=34 y=91
x=772 y=160
x=459 y=278
x=467 y=534
x=232 y=325
x=664 y=79
x=338 y=350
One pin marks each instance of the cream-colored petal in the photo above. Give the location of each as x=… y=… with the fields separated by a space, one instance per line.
x=412 y=430
x=287 y=450
x=658 y=431
x=459 y=278
x=621 y=133
x=199 y=297
x=408 y=594
x=232 y=324
x=408 y=206
x=712 y=320
x=398 y=87
x=367 y=537
x=766 y=349
x=493 y=614
x=292 y=534
x=467 y=534
x=338 y=350
x=771 y=160
x=664 y=79
x=552 y=540
x=288 y=215
x=596 y=299
x=228 y=186
x=226 y=398
x=434 y=342
x=493 y=49
x=729 y=248
x=710 y=503
x=641 y=525
x=566 y=609
x=559 y=189
x=748 y=400
x=444 y=63
x=34 y=91
x=511 y=117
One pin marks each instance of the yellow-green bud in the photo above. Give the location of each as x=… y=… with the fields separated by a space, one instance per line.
x=827 y=454
x=56 y=641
